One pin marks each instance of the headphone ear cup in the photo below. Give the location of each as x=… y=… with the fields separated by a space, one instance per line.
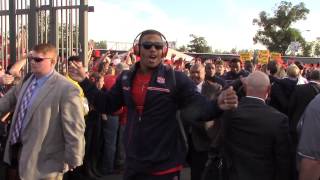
x=136 y=50
x=164 y=51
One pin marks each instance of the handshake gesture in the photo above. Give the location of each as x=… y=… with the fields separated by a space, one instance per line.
x=228 y=99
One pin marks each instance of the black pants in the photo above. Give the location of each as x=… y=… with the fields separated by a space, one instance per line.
x=196 y=160
x=12 y=171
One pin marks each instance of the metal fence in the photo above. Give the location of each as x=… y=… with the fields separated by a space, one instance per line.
x=25 y=23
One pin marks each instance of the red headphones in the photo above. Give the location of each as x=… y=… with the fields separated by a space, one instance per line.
x=136 y=45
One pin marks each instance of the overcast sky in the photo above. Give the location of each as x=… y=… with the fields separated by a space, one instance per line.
x=225 y=24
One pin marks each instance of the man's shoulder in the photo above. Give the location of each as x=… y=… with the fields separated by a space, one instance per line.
x=315 y=102
x=267 y=110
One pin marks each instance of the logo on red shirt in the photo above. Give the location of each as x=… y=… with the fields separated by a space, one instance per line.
x=161 y=80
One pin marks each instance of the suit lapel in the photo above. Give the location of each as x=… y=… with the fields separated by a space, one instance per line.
x=43 y=92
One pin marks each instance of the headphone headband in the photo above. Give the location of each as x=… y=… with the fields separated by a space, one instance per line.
x=136 y=46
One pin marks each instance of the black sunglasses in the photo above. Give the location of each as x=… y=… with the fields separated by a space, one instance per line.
x=38 y=59
x=148 y=45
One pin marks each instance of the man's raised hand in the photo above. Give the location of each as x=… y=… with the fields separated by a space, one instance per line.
x=77 y=72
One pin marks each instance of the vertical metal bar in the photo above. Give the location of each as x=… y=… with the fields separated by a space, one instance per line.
x=12 y=26
x=67 y=31
x=18 y=38
x=1 y=34
x=6 y=34
x=71 y=28
x=54 y=32
x=77 y=29
x=41 y=24
x=22 y=30
x=26 y=28
x=32 y=25
x=27 y=39
x=45 y=23
x=83 y=31
x=62 y=31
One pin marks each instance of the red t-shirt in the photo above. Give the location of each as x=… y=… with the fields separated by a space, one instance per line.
x=109 y=81
x=139 y=90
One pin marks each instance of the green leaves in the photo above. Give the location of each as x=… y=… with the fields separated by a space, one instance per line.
x=275 y=31
x=198 y=45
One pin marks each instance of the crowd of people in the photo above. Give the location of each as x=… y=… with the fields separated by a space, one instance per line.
x=147 y=117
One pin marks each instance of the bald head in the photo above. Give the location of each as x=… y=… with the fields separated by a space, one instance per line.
x=257 y=84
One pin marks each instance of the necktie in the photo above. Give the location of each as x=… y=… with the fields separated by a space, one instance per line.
x=22 y=111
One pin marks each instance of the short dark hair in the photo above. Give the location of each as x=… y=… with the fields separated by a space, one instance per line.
x=44 y=48
x=315 y=75
x=150 y=31
x=74 y=58
x=272 y=67
x=299 y=64
x=235 y=60
x=95 y=77
x=219 y=62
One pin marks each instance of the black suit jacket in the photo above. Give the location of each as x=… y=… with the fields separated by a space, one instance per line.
x=199 y=136
x=281 y=91
x=300 y=98
x=257 y=142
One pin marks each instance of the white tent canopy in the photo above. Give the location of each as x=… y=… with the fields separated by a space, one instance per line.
x=178 y=55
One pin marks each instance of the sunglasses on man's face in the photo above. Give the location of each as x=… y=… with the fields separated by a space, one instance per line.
x=38 y=59
x=148 y=45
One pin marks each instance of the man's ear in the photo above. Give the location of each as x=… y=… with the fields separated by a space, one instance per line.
x=268 y=91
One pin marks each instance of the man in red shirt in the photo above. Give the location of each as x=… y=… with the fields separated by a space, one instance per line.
x=153 y=94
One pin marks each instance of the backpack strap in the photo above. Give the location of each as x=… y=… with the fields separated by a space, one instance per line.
x=178 y=113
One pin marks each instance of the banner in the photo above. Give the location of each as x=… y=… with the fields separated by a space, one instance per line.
x=264 y=56
x=246 y=56
x=275 y=56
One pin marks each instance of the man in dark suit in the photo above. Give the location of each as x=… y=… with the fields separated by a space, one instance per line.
x=199 y=140
x=300 y=98
x=282 y=89
x=257 y=136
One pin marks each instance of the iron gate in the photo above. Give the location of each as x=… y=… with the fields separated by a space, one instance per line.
x=25 y=23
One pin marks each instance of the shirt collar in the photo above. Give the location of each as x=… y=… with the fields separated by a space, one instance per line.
x=256 y=98
x=199 y=87
x=44 y=78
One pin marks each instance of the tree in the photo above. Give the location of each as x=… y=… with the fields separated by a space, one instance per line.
x=199 y=45
x=276 y=32
x=317 y=49
x=183 y=48
x=307 y=49
x=100 y=45
x=234 y=51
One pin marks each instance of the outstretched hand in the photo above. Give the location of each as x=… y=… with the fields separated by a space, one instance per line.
x=77 y=72
x=228 y=99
